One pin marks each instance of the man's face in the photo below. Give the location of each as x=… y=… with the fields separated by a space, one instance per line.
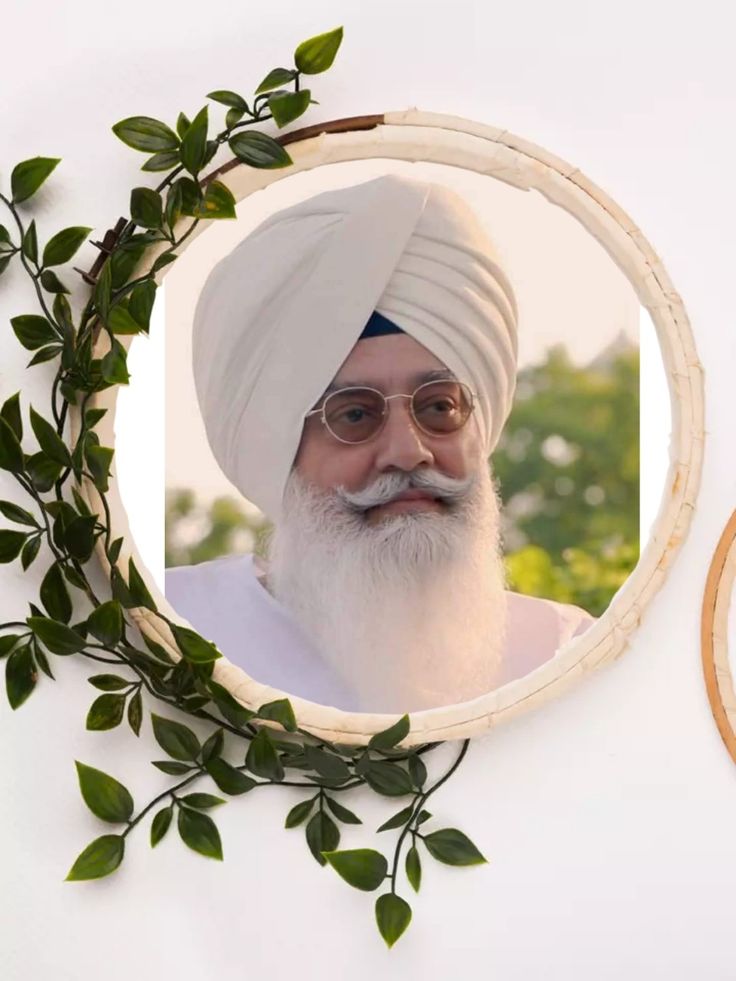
x=391 y=363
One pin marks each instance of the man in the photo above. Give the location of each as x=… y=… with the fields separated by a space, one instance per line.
x=355 y=363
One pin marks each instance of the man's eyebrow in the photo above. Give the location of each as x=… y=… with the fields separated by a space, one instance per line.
x=438 y=374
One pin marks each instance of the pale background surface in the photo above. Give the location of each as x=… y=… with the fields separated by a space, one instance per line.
x=608 y=815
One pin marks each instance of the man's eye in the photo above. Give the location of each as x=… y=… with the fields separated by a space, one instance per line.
x=440 y=406
x=354 y=413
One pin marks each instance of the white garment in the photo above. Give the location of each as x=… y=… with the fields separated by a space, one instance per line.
x=225 y=602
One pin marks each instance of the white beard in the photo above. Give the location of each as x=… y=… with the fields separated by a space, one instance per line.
x=410 y=612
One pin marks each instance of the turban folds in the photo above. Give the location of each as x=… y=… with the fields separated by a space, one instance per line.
x=280 y=313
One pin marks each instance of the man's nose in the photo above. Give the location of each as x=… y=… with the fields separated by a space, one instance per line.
x=401 y=443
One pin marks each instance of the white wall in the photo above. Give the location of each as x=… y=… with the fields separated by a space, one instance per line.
x=608 y=815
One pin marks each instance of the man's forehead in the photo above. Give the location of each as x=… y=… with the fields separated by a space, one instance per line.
x=387 y=379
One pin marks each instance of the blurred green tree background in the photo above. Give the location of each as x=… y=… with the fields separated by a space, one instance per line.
x=568 y=472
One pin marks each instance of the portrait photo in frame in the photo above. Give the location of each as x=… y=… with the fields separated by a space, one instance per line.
x=451 y=144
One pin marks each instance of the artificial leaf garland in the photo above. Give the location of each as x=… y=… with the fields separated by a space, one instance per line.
x=121 y=303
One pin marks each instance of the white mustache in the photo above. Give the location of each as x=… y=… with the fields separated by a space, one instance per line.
x=391 y=485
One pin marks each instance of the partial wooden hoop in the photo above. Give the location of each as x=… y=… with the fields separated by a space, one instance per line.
x=714 y=635
x=420 y=136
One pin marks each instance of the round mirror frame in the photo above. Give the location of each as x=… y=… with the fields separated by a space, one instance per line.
x=714 y=635
x=412 y=135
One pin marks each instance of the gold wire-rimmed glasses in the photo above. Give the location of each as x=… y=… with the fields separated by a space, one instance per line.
x=358 y=413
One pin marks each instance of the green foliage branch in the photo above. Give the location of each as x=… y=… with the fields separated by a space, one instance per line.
x=245 y=749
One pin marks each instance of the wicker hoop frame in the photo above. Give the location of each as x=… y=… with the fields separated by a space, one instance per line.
x=413 y=135
x=714 y=635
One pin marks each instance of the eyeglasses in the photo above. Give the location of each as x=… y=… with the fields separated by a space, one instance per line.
x=355 y=415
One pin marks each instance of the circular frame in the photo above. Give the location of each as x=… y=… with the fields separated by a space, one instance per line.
x=714 y=635
x=412 y=135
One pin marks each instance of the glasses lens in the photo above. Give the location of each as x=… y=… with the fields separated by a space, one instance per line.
x=354 y=414
x=442 y=406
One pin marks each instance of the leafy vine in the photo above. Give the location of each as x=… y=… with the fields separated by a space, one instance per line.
x=63 y=526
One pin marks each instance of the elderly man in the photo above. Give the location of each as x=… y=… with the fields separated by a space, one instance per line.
x=355 y=362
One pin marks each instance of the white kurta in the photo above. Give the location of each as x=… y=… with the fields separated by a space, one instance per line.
x=225 y=601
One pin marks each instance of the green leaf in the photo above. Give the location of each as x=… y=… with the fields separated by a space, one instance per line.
x=121 y=321
x=106 y=623
x=141 y=303
x=138 y=589
x=4 y=262
x=287 y=106
x=10 y=412
x=135 y=713
x=114 y=365
x=262 y=758
x=194 y=143
x=62 y=246
x=194 y=648
x=57 y=637
x=45 y=354
x=213 y=745
x=393 y=916
x=30 y=551
x=389 y=779
x=275 y=79
x=146 y=207
x=14 y=512
x=165 y=160
x=42 y=660
x=98 y=859
x=316 y=54
x=52 y=284
x=323 y=835
x=342 y=813
x=99 y=459
x=182 y=124
x=231 y=709
x=299 y=813
x=233 y=117
x=202 y=801
x=79 y=536
x=200 y=833
x=398 y=820
x=422 y=817
x=259 y=150
x=191 y=196
x=279 y=711
x=173 y=769
x=113 y=552
x=326 y=764
x=108 y=682
x=29 y=175
x=52 y=445
x=8 y=642
x=55 y=596
x=44 y=472
x=106 y=712
x=160 y=824
x=218 y=202
x=453 y=847
x=105 y=796
x=11 y=542
x=229 y=779
x=11 y=454
x=146 y=134
x=33 y=331
x=102 y=293
x=227 y=98
x=20 y=675
x=417 y=771
x=179 y=742
x=29 y=244
x=413 y=868
x=363 y=868
x=388 y=738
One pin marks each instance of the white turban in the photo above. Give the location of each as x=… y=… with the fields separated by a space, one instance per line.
x=278 y=316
